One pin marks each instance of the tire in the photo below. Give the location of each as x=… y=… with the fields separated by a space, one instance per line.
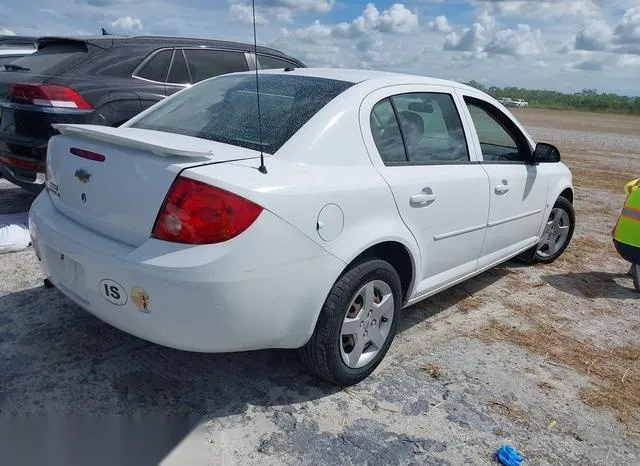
x=563 y=212
x=327 y=353
x=635 y=273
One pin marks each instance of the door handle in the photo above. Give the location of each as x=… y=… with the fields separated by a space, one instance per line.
x=423 y=199
x=502 y=188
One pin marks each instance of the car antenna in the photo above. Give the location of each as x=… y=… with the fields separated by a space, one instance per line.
x=262 y=168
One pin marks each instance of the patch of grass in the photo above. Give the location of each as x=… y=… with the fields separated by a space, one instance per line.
x=600 y=178
x=508 y=410
x=471 y=303
x=434 y=370
x=545 y=386
x=614 y=372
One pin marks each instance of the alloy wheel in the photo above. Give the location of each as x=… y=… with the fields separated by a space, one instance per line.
x=367 y=324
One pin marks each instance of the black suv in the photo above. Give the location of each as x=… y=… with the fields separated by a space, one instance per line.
x=104 y=80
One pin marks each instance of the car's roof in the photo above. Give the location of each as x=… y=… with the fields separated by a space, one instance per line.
x=108 y=40
x=363 y=75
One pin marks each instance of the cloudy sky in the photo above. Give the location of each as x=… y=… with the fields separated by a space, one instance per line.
x=567 y=45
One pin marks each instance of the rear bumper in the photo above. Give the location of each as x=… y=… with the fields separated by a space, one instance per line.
x=248 y=293
x=24 y=149
x=29 y=179
x=22 y=162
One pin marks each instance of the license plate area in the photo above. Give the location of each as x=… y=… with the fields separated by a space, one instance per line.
x=66 y=271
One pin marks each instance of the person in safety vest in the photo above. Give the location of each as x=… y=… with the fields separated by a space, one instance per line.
x=626 y=233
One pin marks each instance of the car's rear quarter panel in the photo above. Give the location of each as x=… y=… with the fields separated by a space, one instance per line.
x=326 y=162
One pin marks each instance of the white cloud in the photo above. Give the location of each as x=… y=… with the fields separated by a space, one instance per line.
x=589 y=65
x=439 y=24
x=397 y=19
x=607 y=62
x=548 y=9
x=487 y=20
x=594 y=35
x=521 y=41
x=6 y=32
x=244 y=13
x=628 y=31
x=472 y=39
x=486 y=37
x=283 y=11
x=628 y=61
x=598 y=35
x=372 y=39
x=128 y=23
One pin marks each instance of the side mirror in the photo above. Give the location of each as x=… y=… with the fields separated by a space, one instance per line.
x=545 y=153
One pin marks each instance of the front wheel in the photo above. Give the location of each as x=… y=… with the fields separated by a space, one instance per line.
x=557 y=232
x=356 y=325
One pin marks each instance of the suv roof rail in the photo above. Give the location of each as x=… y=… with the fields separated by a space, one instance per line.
x=220 y=41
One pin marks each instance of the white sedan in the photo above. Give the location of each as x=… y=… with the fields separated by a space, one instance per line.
x=380 y=190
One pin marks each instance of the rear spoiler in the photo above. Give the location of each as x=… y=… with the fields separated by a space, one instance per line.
x=103 y=42
x=18 y=41
x=156 y=142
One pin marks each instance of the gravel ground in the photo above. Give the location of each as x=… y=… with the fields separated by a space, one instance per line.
x=546 y=358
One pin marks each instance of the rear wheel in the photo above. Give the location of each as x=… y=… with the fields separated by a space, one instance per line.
x=356 y=325
x=635 y=273
x=557 y=232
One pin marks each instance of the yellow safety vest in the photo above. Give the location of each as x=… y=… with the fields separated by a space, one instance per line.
x=627 y=230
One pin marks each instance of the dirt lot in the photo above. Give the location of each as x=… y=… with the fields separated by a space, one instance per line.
x=546 y=358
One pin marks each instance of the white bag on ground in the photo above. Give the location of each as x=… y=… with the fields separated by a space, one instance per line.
x=14 y=232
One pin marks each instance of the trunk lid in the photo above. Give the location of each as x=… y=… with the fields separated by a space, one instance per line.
x=115 y=179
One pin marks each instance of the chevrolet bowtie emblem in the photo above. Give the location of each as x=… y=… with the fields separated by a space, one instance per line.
x=83 y=175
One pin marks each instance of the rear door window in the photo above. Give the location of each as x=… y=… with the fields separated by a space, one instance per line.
x=225 y=109
x=54 y=58
x=386 y=133
x=267 y=62
x=204 y=64
x=431 y=128
x=179 y=74
x=156 y=68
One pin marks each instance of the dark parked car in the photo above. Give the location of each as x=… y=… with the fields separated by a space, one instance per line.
x=104 y=80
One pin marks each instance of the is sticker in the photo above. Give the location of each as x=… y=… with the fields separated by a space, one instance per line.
x=113 y=292
x=141 y=299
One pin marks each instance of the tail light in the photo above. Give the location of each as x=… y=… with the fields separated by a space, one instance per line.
x=48 y=95
x=19 y=163
x=197 y=213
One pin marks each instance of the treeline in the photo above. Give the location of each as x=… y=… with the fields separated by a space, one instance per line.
x=587 y=99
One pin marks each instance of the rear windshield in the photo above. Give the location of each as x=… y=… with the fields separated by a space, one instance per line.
x=224 y=109
x=51 y=58
x=4 y=59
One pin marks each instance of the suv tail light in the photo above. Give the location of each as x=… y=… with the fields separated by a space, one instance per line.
x=48 y=95
x=197 y=213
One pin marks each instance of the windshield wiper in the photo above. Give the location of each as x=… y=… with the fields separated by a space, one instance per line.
x=13 y=67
